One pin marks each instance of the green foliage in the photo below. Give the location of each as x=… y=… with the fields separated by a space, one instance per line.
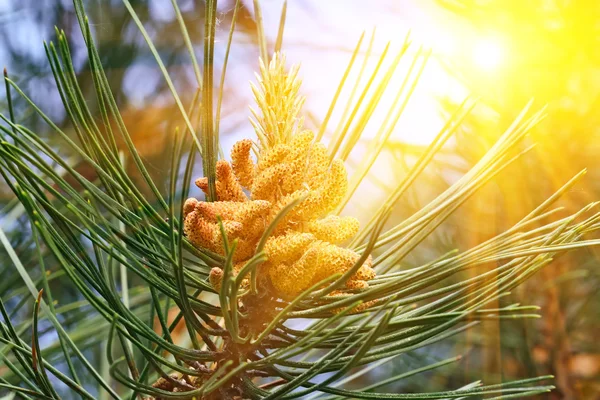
x=127 y=257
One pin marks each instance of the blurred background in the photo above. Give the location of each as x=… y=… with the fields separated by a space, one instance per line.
x=504 y=52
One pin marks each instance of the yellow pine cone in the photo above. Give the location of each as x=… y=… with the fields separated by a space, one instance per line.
x=244 y=221
x=334 y=229
x=216 y=276
x=228 y=188
x=241 y=162
x=318 y=262
x=289 y=246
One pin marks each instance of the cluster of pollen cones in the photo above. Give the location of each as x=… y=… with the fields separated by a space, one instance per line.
x=305 y=246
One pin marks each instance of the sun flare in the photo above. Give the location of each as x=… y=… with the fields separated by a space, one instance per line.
x=488 y=54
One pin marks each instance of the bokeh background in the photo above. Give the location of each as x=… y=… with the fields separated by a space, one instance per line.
x=504 y=52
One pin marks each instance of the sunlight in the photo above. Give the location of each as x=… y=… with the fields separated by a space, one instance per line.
x=488 y=54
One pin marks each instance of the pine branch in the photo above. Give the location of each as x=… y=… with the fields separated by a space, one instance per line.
x=237 y=311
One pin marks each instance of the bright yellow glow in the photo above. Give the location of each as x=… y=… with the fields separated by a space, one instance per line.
x=488 y=54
